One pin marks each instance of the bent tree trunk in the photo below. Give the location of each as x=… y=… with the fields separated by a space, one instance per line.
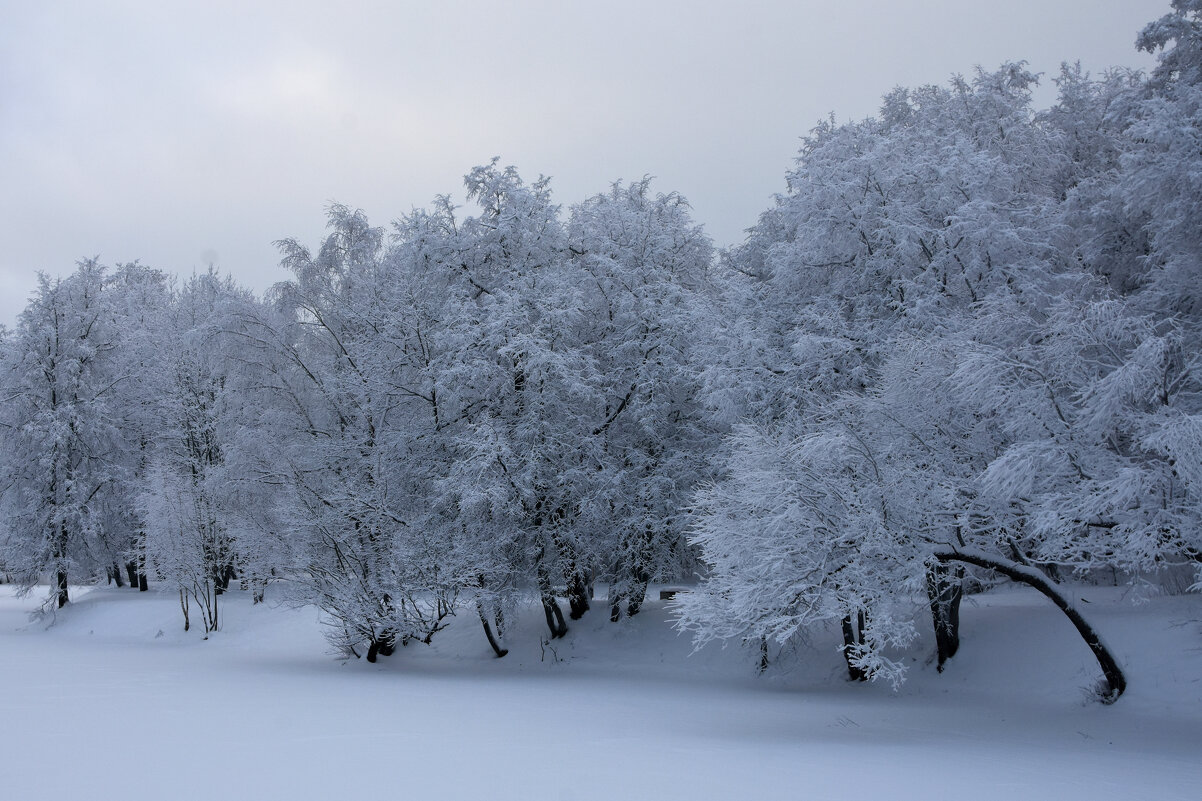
x=1116 y=683
x=945 y=589
x=492 y=639
x=554 y=615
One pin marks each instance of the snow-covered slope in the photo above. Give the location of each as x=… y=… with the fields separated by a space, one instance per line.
x=110 y=698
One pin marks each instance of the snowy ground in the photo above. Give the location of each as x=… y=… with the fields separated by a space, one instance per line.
x=110 y=699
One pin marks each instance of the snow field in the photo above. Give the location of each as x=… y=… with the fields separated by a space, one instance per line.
x=100 y=704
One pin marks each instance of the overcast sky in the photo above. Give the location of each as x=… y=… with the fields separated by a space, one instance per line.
x=184 y=133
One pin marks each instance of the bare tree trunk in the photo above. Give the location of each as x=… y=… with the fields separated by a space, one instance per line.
x=382 y=644
x=640 y=570
x=496 y=646
x=61 y=578
x=60 y=554
x=633 y=573
x=183 y=604
x=945 y=589
x=577 y=594
x=638 y=594
x=222 y=576
x=574 y=576
x=142 y=584
x=633 y=592
x=1116 y=682
x=554 y=614
x=853 y=640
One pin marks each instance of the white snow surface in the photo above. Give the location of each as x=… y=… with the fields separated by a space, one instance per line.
x=109 y=698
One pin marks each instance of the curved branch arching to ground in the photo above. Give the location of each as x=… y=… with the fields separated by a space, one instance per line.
x=1115 y=681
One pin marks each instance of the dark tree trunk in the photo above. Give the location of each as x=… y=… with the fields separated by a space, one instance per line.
x=1116 y=683
x=554 y=614
x=577 y=594
x=183 y=604
x=61 y=577
x=383 y=644
x=143 y=586
x=60 y=554
x=492 y=640
x=633 y=573
x=633 y=592
x=853 y=640
x=944 y=590
x=222 y=578
x=574 y=577
x=638 y=594
x=131 y=572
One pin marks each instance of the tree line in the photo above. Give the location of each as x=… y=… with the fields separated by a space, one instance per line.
x=964 y=339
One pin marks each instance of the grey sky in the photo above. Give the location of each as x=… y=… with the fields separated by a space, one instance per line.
x=180 y=133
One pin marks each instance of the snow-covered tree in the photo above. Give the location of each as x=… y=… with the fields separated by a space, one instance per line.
x=140 y=298
x=645 y=269
x=527 y=460
x=201 y=403
x=907 y=246
x=1161 y=179
x=348 y=442
x=64 y=444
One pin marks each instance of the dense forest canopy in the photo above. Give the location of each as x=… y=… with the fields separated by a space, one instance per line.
x=963 y=342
